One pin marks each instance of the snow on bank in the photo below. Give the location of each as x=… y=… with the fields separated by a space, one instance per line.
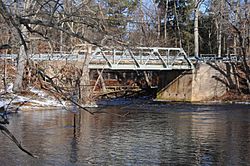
x=37 y=99
x=2 y=103
x=38 y=92
x=34 y=99
x=43 y=99
x=10 y=88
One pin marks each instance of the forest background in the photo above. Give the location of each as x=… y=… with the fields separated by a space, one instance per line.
x=219 y=27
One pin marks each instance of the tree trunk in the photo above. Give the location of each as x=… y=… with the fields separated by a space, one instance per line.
x=196 y=32
x=5 y=76
x=141 y=15
x=18 y=83
x=165 y=21
x=23 y=56
x=61 y=40
x=236 y=78
x=177 y=25
x=158 y=25
x=219 y=40
x=209 y=41
x=85 y=97
x=234 y=44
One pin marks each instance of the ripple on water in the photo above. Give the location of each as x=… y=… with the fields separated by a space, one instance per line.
x=151 y=134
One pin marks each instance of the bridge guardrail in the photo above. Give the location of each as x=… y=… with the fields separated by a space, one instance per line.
x=214 y=58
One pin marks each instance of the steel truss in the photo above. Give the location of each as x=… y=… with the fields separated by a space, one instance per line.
x=140 y=58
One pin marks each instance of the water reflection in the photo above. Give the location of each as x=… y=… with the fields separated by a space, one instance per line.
x=151 y=134
x=74 y=143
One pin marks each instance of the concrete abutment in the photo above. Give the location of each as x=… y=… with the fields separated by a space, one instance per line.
x=196 y=85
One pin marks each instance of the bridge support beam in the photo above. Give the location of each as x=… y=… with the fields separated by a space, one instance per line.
x=194 y=86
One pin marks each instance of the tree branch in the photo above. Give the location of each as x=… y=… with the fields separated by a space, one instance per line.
x=13 y=139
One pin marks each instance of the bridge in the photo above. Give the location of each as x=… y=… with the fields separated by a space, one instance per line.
x=139 y=58
x=167 y=70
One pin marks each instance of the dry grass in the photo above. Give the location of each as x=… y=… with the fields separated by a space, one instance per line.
x=234 y=96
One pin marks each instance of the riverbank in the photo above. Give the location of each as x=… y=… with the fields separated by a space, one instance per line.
x=234 y=97
x=31 y=98
x=36 y=99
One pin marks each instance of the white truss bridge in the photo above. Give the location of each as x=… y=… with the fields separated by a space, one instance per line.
x=139 y=58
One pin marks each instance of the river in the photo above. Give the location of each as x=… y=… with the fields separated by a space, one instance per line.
x=149 y=134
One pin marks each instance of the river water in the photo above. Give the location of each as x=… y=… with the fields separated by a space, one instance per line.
x=148 y=134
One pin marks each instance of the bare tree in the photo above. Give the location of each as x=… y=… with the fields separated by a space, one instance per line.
x=196 y=27
x=165 y=20
x=37 y=18
x=177 y=25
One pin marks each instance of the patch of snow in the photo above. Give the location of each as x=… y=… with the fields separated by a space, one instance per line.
x=41 y=100
x=20 y=99
x=239 y=102
x=44 y=99
x=90 y=105
x=31 y=101
x=2 y=103
x=38 y=92
x=46 y=103
x=10 y=88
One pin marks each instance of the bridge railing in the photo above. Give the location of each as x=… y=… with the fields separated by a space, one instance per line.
x=215 y=58
x=56 y=56
x=47 y=56
x=8 y=56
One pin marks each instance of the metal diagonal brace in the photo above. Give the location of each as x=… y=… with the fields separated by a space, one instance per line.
x=159 y=55
x=104 y=56
x=120 y=59
x=187 y=59
x=175 y=57
x=133 y=57
x=149 y=56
